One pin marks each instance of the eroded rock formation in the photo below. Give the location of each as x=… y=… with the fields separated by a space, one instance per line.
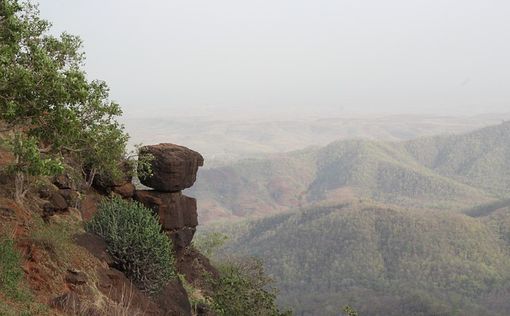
x=174 y=168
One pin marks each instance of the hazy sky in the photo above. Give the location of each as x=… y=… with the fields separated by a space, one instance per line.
x=277 y=56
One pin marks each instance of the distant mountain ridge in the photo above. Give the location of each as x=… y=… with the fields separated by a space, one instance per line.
x=451 y=172
x=223 y=139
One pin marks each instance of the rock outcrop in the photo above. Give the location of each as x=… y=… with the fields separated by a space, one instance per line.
x=92 y=273
x=174 y=167
x=177 y=214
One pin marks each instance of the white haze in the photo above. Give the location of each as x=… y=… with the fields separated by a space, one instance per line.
x=290 y=57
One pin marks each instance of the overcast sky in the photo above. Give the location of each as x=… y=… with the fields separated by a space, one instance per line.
x=289 y=56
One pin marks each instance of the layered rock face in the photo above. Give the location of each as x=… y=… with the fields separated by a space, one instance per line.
x=174 y=168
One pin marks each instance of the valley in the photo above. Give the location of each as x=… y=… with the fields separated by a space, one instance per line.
x=413 y=227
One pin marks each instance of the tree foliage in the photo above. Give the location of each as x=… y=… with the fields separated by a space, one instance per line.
x=243 y=289
x=382 y=261
x=29 y=162
x=45 y=93
x=209 y=242
x=349 y=311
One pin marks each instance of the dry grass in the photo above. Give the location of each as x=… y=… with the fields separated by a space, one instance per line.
x=124 y=306
x=71 y=305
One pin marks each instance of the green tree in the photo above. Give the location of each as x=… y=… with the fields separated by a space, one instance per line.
x=29 y=162
x=44 y=93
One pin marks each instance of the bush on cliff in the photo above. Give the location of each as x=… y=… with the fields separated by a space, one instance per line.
x=243 y=289
x=135 y=241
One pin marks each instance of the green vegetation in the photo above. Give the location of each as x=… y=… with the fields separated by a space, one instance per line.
x=136 y=242
x=57 y=238
x=243 y=289
x=15 y=296
x=382 y=261
x=420 y=227
x=11 y=275
x=487 y=208
x=209 y=243
x=449 y=173
x=479 y=159
x=349 y=311
x=29 y=162
x=53 y=118
x=48 y=104
x=499 y=222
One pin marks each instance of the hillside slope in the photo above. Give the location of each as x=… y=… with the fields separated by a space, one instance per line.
x=480 y=158
x=447 y=172
x=382 y=261
x=383 y=172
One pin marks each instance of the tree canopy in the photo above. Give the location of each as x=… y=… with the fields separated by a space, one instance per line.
x=45 y=93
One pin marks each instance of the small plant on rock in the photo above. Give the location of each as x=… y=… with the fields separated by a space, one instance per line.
x=135 y=241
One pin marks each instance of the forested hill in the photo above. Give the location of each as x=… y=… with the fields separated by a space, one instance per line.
x=480 y=158
x=383 y=261
x=452 y=172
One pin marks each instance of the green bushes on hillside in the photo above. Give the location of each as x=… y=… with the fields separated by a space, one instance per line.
x=135 y=240
x=243 y=289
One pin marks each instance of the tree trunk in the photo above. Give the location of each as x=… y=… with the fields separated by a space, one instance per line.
x=19 y=182
x=91 y=176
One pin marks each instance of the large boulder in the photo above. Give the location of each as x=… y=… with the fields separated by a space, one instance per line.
x=174 y=168
x=177 y=214
x=175 y=210
x=181 y=238
x=126 y=190
x=173 y=299
x=89 y=204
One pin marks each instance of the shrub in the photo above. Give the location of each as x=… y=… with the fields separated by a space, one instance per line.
x=243 y=289
x=209 y=242
x=135 y=241
x=349 y=311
